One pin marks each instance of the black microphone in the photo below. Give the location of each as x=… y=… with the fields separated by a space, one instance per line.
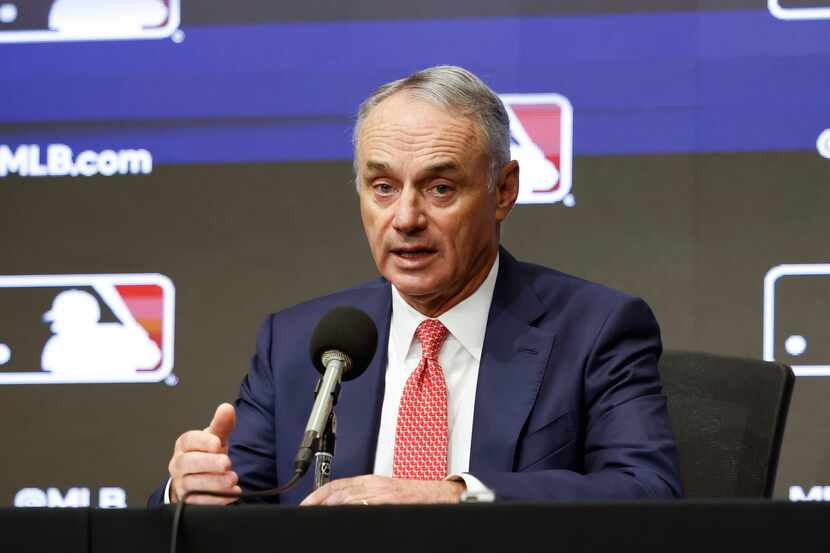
x=342 y=346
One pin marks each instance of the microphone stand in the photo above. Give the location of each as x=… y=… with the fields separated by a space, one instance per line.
x=324 y=456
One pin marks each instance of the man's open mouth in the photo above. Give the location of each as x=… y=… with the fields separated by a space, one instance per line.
x=412 y=253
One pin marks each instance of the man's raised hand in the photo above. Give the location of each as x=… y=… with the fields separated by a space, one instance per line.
x=200 y=461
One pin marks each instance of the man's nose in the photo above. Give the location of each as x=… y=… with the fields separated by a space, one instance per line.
x=409 y=213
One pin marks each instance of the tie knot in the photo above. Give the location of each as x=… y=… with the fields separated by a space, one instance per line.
x=432 y=334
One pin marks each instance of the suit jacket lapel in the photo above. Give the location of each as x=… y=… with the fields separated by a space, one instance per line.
x=361 y=400
x=511 y=370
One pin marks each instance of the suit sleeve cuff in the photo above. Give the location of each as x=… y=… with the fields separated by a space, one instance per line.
x=473 y=484
x=167 y=492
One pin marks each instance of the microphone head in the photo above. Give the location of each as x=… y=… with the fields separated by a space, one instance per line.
x=350 y=331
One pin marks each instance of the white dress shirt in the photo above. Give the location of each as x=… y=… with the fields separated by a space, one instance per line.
x=459 y=359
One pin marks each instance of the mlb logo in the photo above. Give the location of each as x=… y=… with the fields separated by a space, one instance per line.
x=823 y=144
x=797 y=317
x=541 y=140
x=794 y=10
x=59 y=329
x=61 y=20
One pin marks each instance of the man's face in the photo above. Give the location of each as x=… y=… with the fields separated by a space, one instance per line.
x=431 y=222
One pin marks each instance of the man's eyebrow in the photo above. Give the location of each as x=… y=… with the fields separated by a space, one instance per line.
x=439 y=168
x=443 y=167
x=377 y=166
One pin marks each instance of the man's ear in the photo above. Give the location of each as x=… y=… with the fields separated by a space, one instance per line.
x=507 y=189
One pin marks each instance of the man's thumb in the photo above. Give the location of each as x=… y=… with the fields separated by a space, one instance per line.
x=223 y=422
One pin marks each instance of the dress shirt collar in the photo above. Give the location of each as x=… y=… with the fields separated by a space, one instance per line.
x=467 y=321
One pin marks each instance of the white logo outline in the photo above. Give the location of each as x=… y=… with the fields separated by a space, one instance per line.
x=823 y=144
x=770 y=279
x=102 y=281
x=797 y=14
x=565 y=142
x=166 y=31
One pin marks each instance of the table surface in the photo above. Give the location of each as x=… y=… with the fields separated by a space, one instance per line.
x=715 y=525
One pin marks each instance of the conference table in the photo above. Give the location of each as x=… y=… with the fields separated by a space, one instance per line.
x=666 y=526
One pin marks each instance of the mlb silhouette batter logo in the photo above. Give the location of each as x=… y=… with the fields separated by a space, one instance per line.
x=53 y=20
x=97 y=328
x=795 y=10
x=541 y=140
x=797 y=318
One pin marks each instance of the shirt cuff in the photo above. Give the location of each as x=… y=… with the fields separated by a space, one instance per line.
x=167 y=492
x=473 y=484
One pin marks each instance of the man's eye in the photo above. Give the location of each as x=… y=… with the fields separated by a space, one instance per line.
x=383 y=188
x=442 y=189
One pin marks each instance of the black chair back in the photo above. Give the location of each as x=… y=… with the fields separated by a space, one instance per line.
x=728 y=416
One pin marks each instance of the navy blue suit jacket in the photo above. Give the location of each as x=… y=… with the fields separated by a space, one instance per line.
x=568 y=404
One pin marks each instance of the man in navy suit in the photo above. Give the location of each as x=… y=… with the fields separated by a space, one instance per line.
x=529 y=382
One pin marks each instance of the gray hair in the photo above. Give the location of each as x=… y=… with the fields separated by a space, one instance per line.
x=453 y=88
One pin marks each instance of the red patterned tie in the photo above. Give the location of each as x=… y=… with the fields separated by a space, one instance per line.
x=421 y=435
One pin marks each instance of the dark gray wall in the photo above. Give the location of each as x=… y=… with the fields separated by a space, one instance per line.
x=693 y=235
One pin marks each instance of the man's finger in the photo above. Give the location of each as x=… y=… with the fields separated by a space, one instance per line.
x=224 y=419
x=209 y=482
x=321 y=494
x=317 y=496
x=335 y=491
x=223 y=482
x=196 y=462
x=201 y=499
x=199 y=440
x=346 y=496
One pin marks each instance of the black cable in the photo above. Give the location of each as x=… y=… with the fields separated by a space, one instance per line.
x=177 y=516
